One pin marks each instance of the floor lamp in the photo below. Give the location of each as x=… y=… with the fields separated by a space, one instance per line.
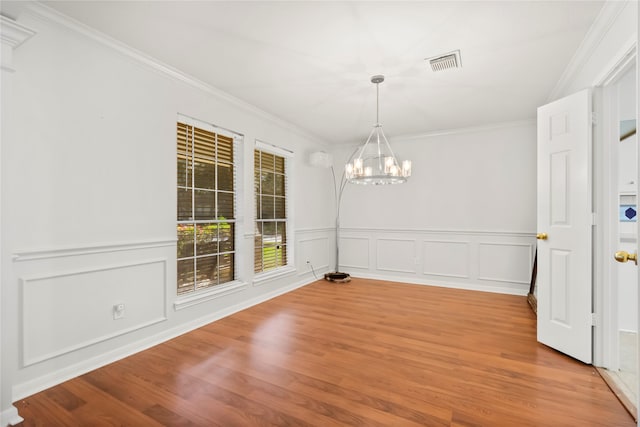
x=322 y=159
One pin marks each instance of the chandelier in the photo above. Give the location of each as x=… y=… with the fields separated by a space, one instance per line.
x=374 y=163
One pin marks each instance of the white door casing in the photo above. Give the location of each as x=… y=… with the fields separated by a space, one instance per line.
x=564 y=213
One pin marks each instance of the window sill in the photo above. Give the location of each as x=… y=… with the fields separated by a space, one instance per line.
x=209 y=294
x=261 y=278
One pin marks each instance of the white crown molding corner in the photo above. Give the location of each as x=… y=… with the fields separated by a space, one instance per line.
x=12 y=35
x=602 y=24
x=48 y=14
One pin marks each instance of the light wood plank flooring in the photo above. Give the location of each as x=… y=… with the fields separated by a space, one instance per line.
x=366 y=353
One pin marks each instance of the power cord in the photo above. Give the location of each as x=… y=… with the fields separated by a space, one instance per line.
x=312 y=270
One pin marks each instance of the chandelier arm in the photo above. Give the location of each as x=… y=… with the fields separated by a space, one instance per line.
x=365 y=145
x=395 y=159
x=379 y=130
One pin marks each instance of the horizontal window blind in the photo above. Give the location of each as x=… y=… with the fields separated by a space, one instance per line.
x=270 y=182
x=206 y=207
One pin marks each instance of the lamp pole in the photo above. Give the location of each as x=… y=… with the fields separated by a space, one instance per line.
x=338 y=190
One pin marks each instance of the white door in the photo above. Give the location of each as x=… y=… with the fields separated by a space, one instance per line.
x=564 y=214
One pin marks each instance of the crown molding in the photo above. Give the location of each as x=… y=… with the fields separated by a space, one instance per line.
x=454 y=131
x=12 y=35
x=48 y=14
x=598 y=30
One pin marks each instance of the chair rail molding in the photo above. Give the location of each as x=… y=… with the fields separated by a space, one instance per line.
x=486 y=260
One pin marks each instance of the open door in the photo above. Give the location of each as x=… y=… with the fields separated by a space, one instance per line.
x=564 y=226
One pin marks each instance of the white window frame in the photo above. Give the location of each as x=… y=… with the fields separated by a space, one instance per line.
x=289 y=268
x=236 y=285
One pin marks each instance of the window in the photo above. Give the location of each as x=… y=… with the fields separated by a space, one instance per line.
x=271 y=209
x=206 y=213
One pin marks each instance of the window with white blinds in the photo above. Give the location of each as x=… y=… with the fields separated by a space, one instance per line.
x=270 y=185
x=206 y=207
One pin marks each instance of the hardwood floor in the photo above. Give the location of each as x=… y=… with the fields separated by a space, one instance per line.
x=366 y=353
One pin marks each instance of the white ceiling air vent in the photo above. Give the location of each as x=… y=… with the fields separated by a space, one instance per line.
x=445 y=62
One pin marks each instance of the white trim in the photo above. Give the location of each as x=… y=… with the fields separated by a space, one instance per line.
x=368 y=240
x=39 y=254
x=520 y=290
x=28 y=359
x=494 y=279
x=601 y=25
x=624 y=58
x=267 y=276
x=192 y=121
x=316 y=230
x=10 y=417
x=606 y=289
x=465 y=130
x=214 y=292
x=290 y=237
x=273 y=149
x=50 y=379
x=12 y=33
x=50 y=15
x=391 y=239
x=438 y=231
x=460 y=242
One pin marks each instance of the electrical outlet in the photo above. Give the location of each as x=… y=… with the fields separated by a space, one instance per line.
x=118 y=311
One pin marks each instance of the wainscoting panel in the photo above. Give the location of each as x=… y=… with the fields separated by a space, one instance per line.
x=446 y=258
x=505 y=262
x=354 y=252
x=66 y=311
x=493 y=261
x=312 y=248
x=397 y=255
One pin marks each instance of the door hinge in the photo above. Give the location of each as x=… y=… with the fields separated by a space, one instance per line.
x=594 y=120
x=594 y=218
x=594 y=319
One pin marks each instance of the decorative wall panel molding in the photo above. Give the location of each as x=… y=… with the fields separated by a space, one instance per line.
x=316 y=251
x=397 y=255
x=505 y=262
x=446 y=258
x=66 y=311
x=493 y=261
x=354 y=252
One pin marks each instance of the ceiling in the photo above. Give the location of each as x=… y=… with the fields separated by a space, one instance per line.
x=310 y=63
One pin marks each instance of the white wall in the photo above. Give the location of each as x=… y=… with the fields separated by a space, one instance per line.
x=88 y=205
x=466 y=217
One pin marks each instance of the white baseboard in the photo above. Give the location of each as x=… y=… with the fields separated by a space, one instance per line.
x=20 y=391
x=509 y=290
x=10 y=417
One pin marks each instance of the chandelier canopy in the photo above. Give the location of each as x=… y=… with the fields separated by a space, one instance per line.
x=374 y=163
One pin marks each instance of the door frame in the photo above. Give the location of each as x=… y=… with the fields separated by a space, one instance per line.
x=605 y=187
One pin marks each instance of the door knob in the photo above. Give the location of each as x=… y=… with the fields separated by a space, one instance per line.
x=541 y=236
x=624 y=256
